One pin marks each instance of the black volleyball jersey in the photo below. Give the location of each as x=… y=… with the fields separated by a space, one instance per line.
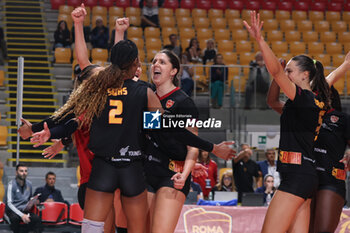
x=300 y=123
x=332 y=140
x=164 y=146
x=117 y=132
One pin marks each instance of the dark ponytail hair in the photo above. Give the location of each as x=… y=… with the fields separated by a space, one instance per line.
x=317 y=80
x=335 y=99
x=175 y=62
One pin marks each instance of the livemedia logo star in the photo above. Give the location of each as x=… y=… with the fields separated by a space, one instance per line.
x=151 y=120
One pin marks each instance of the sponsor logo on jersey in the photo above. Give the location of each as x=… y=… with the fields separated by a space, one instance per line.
x=123 y=151
x=169 y=103
x=334 y=119
x=151 y=120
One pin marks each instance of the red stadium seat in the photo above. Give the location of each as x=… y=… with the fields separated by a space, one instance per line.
x=204 y=4
x=173 y=4
x=269 y=5
x=74 y=3
x=2 y=211
x=252 y=5
x=90 y=3
x=187 y=4
x=346 y=6
x=106 y=3
x=334 y=6
x=301 y=6
x=55 y=4
x=220 y=4
x=318 y=6
x=54 y=213
x=285 y=6
x=76 y=214
x=236 y=4
x=123 y=3
x=136 y=3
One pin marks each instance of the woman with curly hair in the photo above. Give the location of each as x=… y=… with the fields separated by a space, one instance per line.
x=109 y=104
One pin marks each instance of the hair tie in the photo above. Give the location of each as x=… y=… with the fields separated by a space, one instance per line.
x=314 y=61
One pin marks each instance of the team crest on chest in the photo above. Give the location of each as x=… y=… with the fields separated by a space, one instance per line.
x=334 y=119
x=169 y=103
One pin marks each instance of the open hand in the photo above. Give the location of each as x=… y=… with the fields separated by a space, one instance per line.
x=51 y=151
x=199 y=170
x=41 y=137
x=255 y=28
x=224 y=151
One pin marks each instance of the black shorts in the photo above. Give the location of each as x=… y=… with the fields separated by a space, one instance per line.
x=156 y=182
x=81 y=195
x=327 y=181
x=301 y=185
x=106 y=177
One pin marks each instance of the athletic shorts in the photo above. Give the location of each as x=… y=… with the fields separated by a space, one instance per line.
x=81 y=195
x=301 y=185
x=156 y=182
x=327 y=181
x=107 y=177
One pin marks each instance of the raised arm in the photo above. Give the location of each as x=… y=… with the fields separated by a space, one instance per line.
x=121 y=25
x=339 y=72
x=273 y=98
x=81 y=51
x=271 y=61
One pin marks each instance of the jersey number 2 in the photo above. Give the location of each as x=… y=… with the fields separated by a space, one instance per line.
x=113 y=113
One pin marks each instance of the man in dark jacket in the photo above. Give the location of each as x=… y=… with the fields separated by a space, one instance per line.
x=48 y=192
x=100 y=35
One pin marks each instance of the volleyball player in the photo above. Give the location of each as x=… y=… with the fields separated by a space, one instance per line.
x=108 y=163
x=329 y=149
x=301 y=120
x=170 y=162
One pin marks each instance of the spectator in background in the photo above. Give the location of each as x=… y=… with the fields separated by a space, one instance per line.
x=186 y=74
x=258 y=82
x=195 y=187
x=269 y=166
x=268 y=189
x=194 y=51
x=3 y=47
x=209 y=52
x=244 y=169
x=226 y=183
x=149 y=17
x=19 y=192
x=100 y=35
x=87 y=33
x=218 y=75
x=173 y=46
x=48 y=192
x=207 y=182
x=62 y=36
